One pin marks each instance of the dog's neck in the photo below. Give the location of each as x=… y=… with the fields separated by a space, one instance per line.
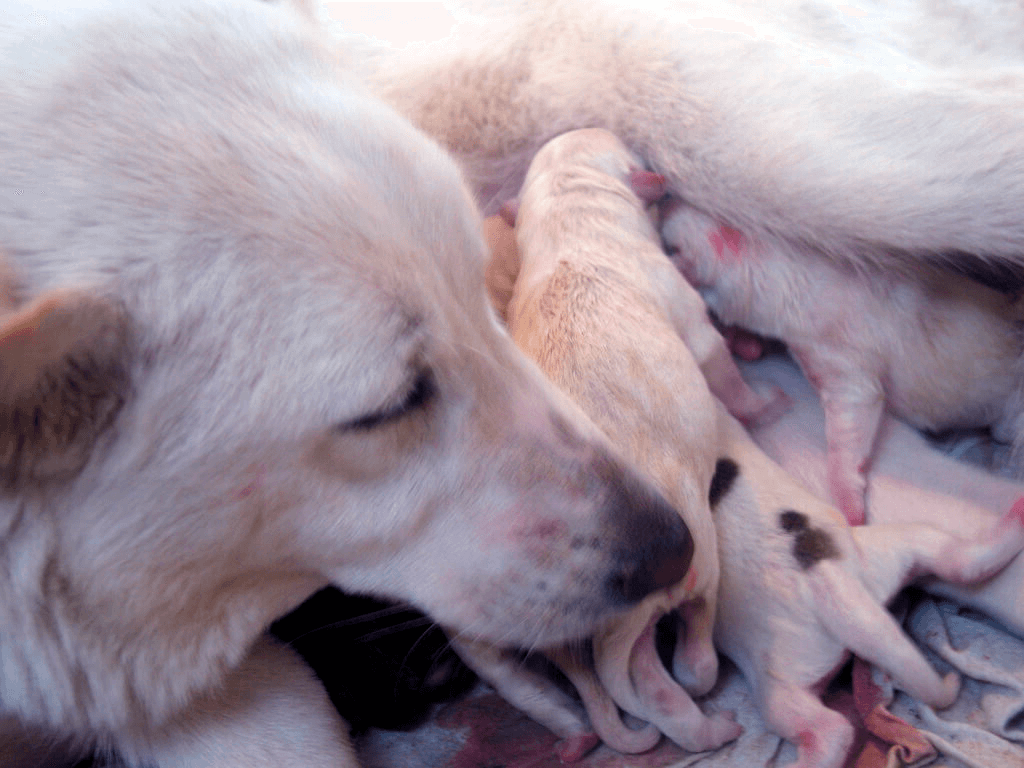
x=126 y=650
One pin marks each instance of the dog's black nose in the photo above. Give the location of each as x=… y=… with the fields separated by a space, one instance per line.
x=653 y=546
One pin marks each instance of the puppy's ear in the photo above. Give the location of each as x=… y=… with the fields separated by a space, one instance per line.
x=63 y=378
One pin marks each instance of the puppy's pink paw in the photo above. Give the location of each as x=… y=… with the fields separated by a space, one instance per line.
x=774 y=404
x=575 y=747
x=744 y=344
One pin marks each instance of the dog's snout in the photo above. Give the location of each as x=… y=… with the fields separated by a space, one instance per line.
x=653 y=545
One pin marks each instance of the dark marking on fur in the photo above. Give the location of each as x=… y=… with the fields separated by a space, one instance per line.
x=997 y=274
x=726 y=472
x=810 y=545
x=792 y=521
x=47 y=433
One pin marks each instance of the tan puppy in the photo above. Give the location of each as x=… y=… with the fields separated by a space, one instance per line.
x=597 y=305
x=248 y=353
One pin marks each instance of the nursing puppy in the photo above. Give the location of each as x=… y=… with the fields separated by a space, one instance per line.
x=800 y=590
x=601 y=310
x=939 y=351
x=868 y=133
x=911 y=482
x=245 y=352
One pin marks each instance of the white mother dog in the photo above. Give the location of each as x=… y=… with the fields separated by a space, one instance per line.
x=245 y=350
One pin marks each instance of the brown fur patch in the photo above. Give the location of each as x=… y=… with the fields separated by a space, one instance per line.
x=810 y=545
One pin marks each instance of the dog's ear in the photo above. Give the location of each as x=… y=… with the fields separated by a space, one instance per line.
x=63 y=378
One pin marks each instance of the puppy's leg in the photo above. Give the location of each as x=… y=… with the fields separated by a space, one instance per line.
x=531 y=693
x=689 y=316
x=603 y=713
x=859 y=622
x=640 y=684
x=271 y=712
x=695 y=663
x=853 y=405
x=896 y=554
x=823 y=737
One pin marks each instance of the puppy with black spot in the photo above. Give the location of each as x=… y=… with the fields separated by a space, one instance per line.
x=800 y=590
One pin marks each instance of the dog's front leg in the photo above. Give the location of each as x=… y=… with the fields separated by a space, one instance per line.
x=854 y=404
x=271 y=712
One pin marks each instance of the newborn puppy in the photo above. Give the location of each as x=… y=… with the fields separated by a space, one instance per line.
x=800 y=590
x=601 y=310
x=910 y=481
x=938 y=350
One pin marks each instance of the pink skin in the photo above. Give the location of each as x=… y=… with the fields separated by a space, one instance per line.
x=727 y=242
x=647 y=185
x=574 y=748
x=745 y=345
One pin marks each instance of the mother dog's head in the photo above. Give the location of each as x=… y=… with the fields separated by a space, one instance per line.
x=247 y=350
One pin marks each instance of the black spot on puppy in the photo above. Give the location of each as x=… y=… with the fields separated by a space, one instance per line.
x=792 y=522
x=810 y=545
x=726 y=472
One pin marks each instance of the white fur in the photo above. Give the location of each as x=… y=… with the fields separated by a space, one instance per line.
x=789 y=626
x=884 y=132
x=939 y=350
x=245 y=350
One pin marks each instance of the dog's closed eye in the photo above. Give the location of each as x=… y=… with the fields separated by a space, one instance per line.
x=421 y=390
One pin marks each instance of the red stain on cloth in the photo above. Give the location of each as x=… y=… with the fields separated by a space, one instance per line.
x=499 y=736
x=885 y=731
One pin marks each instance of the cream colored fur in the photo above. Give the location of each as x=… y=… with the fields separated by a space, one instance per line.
x=869 y=132
x=592 y=306
x=246 y=351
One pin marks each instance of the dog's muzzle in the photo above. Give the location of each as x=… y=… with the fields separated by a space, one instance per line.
x=652 y=546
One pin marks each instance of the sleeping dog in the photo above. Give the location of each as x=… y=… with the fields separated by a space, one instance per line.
x=245 y=350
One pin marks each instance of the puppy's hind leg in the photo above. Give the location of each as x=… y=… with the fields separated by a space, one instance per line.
x=695 y=662
x=899 y=553
x=531 y=693
x=823 y=737
x=857 y=619
x=602 y=710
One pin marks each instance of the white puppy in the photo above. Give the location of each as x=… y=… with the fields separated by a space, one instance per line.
x=868 y=132
x=911 y=481
x=939 y=350
x=599 y=307
x=800 y=589
x=245 y=350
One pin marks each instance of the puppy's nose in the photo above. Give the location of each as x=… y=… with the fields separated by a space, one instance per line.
x=653 y=546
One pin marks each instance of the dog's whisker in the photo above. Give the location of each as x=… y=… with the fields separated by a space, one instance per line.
x=385 y=631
